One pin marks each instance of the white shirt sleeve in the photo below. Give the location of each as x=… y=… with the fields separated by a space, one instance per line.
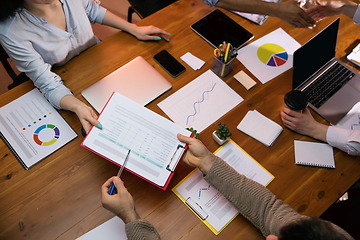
x=345 y=140
x=356 y=16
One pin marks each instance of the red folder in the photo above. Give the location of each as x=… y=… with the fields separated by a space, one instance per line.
x=170 y=176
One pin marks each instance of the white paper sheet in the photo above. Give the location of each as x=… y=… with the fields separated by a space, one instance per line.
x=352 y=119
x=194 y=62
x=34 y=128
x=109 y=230
x=278 y=46
x=151 y=138
x=201 y=102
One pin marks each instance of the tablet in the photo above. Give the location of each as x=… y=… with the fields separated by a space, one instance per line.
x=217 y=27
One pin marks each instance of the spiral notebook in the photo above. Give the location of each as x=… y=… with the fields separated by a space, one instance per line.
x=314 y=154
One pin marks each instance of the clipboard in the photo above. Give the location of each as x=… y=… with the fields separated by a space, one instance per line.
x=196 y=208
x=129 y=125
x=192 y=180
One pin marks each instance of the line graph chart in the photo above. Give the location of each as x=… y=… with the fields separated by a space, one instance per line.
x=198 y=103
x=201 y=102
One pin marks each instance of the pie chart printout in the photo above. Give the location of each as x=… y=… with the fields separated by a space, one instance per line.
x=272 y=54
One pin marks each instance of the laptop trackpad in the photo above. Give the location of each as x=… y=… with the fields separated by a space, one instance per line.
x=339 y=104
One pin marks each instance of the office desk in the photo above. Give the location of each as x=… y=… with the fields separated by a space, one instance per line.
x=59 y=198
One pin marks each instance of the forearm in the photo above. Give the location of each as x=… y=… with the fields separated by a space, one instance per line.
x=253 y=6
x=349 y=8
x=141 y=229
x=318 y=132
x=71 y=103
x=114 y=21
x=252 y=200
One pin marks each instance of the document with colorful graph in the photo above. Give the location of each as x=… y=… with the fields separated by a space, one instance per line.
x=270 y=55
x=33 y=129
x=201 y=102
x=208 y=203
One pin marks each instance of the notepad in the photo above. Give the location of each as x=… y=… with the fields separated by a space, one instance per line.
x=314 y=154
x=260 y=127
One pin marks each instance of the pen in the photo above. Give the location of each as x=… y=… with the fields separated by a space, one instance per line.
x=112 y=187
x=227 y=52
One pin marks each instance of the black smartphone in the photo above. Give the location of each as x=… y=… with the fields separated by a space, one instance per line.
x=169 y=63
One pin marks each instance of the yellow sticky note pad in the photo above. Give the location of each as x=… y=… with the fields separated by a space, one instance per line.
x=245 y=80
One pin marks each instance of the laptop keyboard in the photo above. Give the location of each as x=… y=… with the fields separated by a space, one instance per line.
x=328 y=84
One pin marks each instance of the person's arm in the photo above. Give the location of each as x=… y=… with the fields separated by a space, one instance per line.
x=345 y=140
x=303 y=123
x=288 y=11
x=324 y=9
x=122 y=205
x=252 y=200
x=99 y=14
x=141 y=33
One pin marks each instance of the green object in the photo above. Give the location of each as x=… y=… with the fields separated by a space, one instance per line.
x=222 y=131
x=196 y=135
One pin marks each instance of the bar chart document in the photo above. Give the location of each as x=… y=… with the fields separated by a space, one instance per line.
x=32 y=128
x=201 y=102
x=208 y=203
x=152 y=139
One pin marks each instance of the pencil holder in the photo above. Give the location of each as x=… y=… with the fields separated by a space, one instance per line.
x=220 y=68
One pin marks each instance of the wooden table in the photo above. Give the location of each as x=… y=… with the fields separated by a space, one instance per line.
x=59 y=198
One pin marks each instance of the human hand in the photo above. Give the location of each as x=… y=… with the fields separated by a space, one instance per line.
x=150 y=33
x=197 y=154
x=120 y=203
x=292 y=14
x=87 y=117
x=325 y=9
x=86 y=114
x=303 y=123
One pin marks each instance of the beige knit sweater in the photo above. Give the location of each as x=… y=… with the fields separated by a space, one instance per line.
x=252 y=200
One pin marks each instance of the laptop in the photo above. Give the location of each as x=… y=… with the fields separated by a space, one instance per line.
x=136 y=80
x=333 y=88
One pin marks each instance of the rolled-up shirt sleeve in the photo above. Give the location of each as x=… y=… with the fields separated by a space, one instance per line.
x=211 y=3
x=345 y=140
x=356 y=16
x=29 y=61
x=94 y=11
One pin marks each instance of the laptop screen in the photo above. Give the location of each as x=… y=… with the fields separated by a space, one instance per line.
x=314 y=54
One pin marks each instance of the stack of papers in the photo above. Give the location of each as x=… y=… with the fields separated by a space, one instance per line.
x=354 y=56
x=194 y=62
x=260 y=127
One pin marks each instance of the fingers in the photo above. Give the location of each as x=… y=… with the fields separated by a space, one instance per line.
x=187 y=140
x=118 y=184
x=105 y=187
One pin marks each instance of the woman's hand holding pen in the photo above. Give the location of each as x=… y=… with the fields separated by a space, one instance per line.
x=197 y=154
x=120 y=203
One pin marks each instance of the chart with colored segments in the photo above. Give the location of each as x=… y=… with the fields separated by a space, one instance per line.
x=272 y=55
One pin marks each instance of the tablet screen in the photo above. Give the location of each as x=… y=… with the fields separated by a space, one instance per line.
x=217 y=27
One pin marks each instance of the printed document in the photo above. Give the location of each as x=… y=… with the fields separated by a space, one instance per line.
x=201 y=102
x=151 y=138
x=33 y=129
x=217 y=210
